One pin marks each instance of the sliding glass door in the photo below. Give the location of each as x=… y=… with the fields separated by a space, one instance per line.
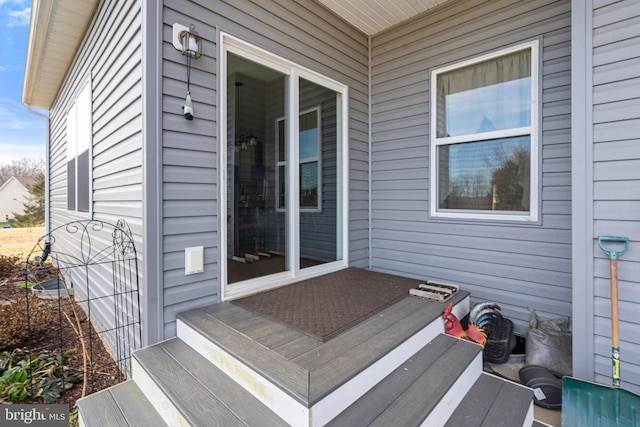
x=256 y=230
x=283 y=171
x=318 y=208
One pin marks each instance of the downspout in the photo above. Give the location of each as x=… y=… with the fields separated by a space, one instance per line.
x=370 y=154
x=152 y=274
x=47 y=225
x=582 y=235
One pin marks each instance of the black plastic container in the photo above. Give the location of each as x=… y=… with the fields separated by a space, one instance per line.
x=547 y=388
x=499 y=345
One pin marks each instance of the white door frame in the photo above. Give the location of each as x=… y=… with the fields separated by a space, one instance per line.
x=229 y=43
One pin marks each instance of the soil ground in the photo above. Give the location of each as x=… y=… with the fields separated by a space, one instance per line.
x=55 y=325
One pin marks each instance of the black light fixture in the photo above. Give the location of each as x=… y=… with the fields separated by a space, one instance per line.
x=244 y=138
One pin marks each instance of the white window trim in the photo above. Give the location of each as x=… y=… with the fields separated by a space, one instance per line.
x=87 y=85
x=229 y=43
x=317 y=159
x=533 y=131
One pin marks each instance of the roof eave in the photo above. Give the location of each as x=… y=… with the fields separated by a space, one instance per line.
x=48 y=60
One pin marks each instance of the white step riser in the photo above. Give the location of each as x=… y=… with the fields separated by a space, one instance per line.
x=530 y=418
x=324 y=411
x=329 y=407
x=271 y=395
x=169 y=413
x=450 y=401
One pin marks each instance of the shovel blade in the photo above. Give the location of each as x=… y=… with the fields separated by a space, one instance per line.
x=589 y=404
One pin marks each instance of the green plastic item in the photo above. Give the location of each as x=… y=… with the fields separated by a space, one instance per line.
x=594 y=405
x=613 y=239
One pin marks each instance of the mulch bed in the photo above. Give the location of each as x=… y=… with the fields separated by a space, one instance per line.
x=54 y=328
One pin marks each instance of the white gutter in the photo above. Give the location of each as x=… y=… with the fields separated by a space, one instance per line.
x=56 y=30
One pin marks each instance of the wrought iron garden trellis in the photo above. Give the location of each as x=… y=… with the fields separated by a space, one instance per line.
x=96 y=282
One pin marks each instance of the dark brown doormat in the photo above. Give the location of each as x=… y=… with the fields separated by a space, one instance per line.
x=325 y=306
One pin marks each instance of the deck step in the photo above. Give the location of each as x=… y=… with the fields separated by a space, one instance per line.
x=424 y=390
x=307 y=379
x=228 y=366
x=120 y=405
x=494 y=402
x=188 y=390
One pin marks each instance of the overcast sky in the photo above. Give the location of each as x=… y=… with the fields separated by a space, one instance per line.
x=22 y=134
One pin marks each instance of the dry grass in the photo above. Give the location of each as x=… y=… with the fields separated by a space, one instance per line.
x=19 y=241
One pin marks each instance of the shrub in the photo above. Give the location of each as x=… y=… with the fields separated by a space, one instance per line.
x=34 y=375
x=9 y=264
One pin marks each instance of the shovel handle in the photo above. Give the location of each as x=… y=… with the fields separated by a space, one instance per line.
x=613 y=267
x=615 y=335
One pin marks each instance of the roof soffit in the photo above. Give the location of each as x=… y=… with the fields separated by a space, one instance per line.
x=374 y=16
x=56 y=30
x=58 y=27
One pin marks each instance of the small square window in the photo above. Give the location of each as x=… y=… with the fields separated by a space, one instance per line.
x=484 y=130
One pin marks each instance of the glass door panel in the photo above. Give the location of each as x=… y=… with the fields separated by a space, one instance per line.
x=256 y=223
x=318 y=167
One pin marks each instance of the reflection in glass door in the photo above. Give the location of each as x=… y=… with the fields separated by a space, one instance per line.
x=318 y=175
x=256 y=240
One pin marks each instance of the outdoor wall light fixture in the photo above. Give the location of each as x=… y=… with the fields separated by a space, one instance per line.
x=189 y=43
x=187 y=40
x=244 y=138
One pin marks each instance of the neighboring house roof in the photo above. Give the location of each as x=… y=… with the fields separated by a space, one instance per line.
x=24 y=180
x=57 y=29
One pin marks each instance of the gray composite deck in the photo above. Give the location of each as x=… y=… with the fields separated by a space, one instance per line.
x=174 y=374
x=408 y=395
x=496 y=402
x=122 y=405
x=306 y=368
x=202 y=393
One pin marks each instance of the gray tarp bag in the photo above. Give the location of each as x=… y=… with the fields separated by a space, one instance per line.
x=549 y=344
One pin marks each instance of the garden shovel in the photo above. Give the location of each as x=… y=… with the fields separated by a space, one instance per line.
x=603 y=242
x=588 y=404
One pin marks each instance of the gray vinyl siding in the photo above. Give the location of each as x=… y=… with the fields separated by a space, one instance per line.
x=302 y=32
x=616 y=175
x=515 y=265
x=110 y=56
